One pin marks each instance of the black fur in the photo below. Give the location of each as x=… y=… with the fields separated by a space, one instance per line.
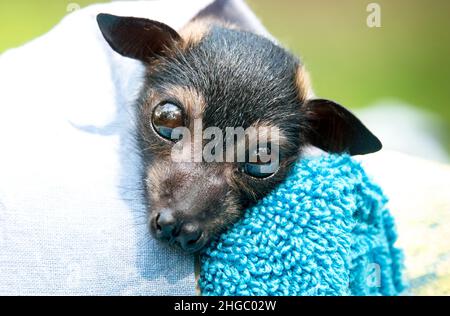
x=243 y=79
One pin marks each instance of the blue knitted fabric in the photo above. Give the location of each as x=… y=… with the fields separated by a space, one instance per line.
x=324 y=231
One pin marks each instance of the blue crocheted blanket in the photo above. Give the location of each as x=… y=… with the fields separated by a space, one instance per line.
x=324 y=231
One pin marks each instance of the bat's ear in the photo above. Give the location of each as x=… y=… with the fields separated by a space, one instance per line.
x=137 y=38
x=335 y=129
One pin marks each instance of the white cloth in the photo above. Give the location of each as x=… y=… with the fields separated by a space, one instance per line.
x=72 y=220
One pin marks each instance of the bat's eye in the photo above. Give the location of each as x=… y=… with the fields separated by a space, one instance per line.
x=261 y=166
x=256 y=170
x=166 y=117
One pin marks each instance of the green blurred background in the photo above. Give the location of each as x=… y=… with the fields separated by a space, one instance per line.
x=406 y=59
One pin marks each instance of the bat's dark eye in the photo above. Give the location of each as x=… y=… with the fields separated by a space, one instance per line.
x=166 y=117
x=262 y=167
x=256 y=170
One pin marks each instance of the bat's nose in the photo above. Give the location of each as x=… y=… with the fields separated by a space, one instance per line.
x=172 y=229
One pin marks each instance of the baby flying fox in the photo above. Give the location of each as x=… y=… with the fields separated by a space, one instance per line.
x=211 y=76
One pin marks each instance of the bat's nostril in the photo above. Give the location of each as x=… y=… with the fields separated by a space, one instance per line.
x=165 y=217
x=166 y=224
x=189 y=236
x=158 y=227
x=194 y=239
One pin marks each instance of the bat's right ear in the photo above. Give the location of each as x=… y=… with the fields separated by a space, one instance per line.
x=335 y=129
x=137 y=38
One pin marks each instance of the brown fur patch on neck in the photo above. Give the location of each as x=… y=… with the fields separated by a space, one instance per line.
x=302 y=81
x=193 y=32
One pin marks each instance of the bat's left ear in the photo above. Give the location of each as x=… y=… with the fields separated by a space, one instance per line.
x=137 y=38
x=333 y=128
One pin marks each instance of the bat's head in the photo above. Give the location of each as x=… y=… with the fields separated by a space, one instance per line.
x=223 y=115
